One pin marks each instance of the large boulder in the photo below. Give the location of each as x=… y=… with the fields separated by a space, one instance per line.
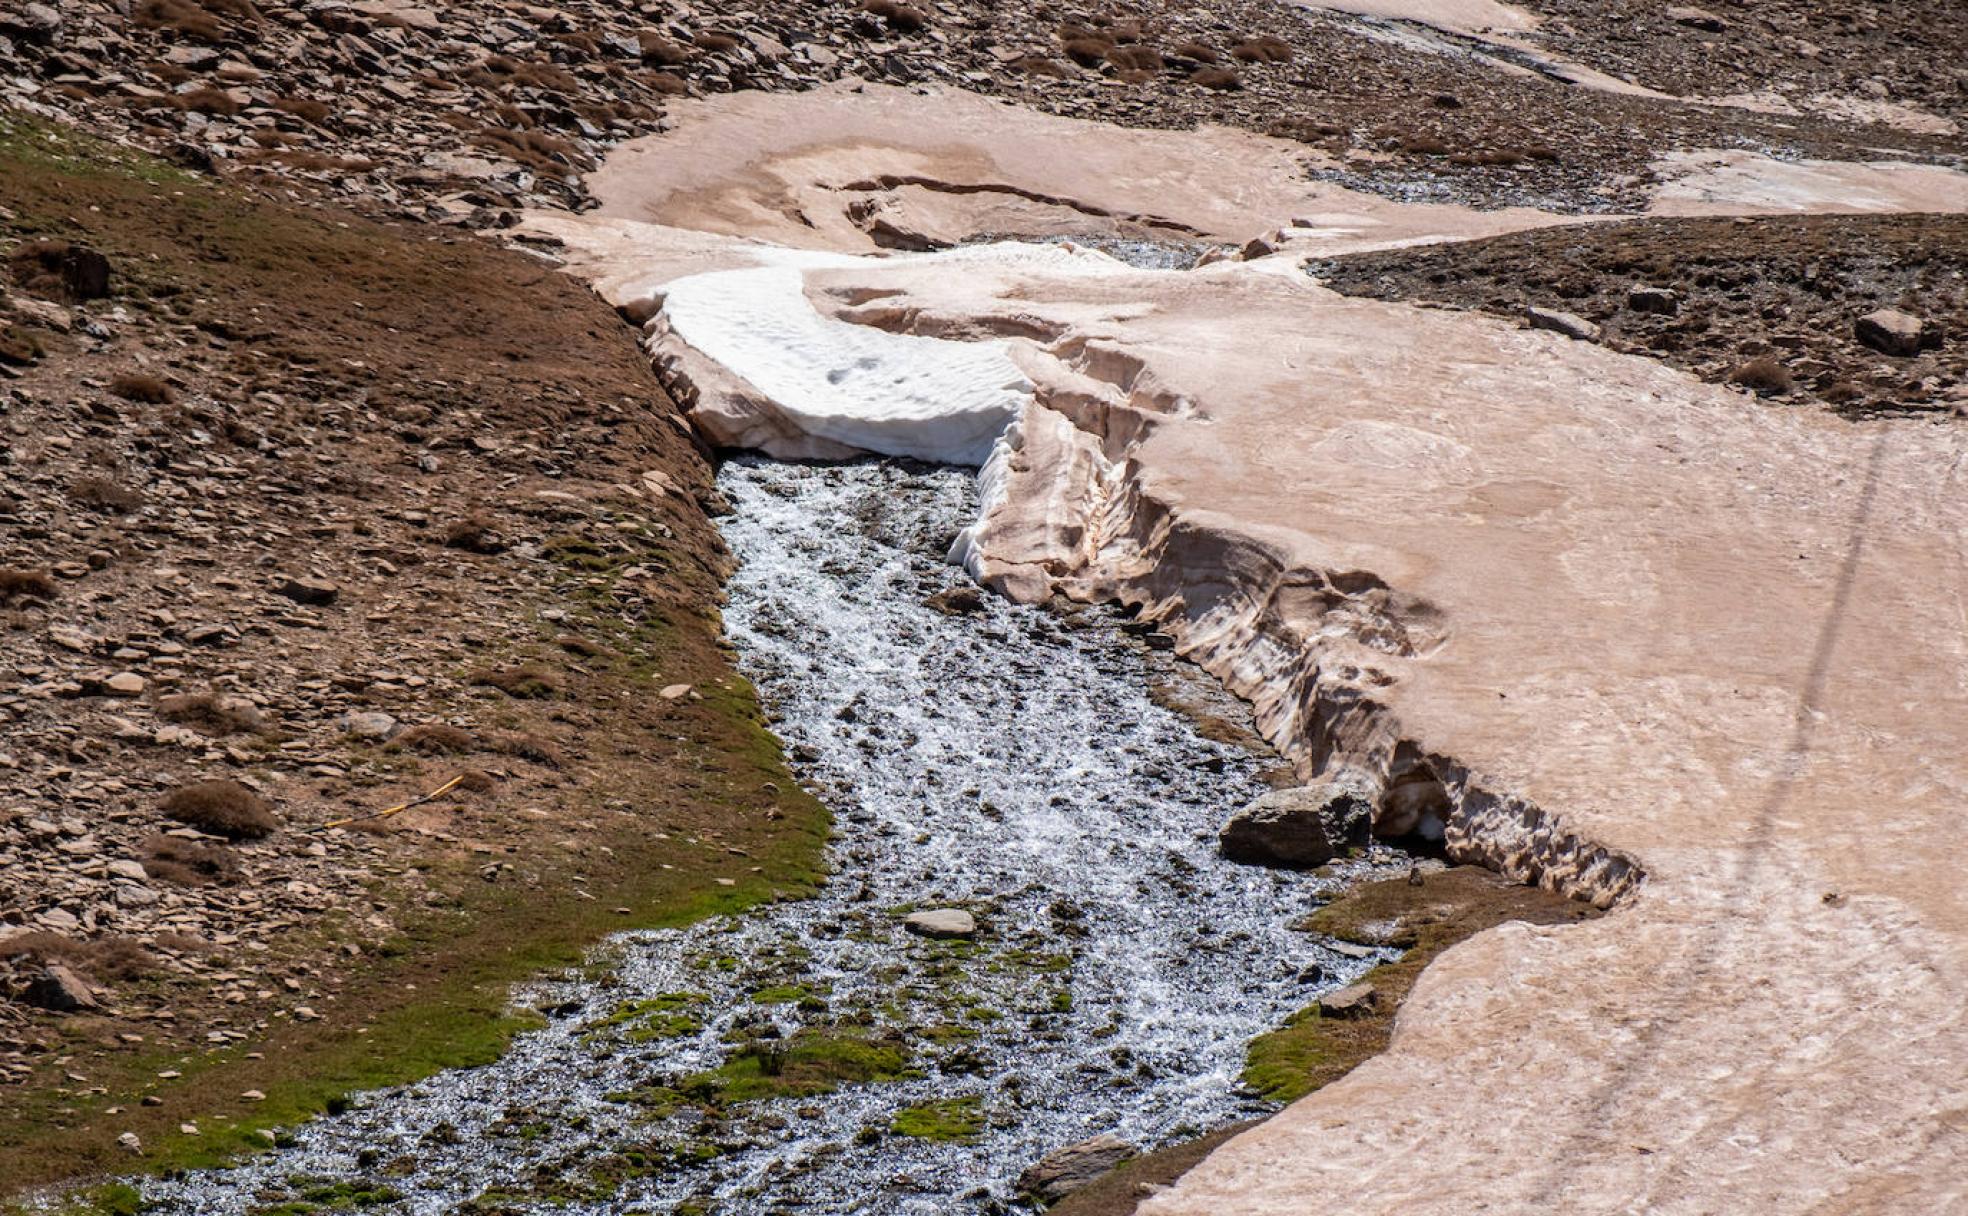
x=941 y=923
x=1892 y=332
x=1064 y=1170
x=1305 y=826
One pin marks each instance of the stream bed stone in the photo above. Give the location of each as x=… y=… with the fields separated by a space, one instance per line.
x=1005 y=765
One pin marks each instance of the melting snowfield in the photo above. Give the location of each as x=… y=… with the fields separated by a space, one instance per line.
x=998 y=759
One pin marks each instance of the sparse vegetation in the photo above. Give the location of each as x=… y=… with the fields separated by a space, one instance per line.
x=104 y=495
x=1265 y=49
x=223 y=808
x=528 y=681
x=142 y=388
x=1220 y=78
x=901 y=17
x=211 y=712
x=435 y=739
x=1762 y=375
x=188 y=863
x=17 y=584
x=949 y=1119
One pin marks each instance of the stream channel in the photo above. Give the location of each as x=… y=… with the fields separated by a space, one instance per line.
x=816 y=1057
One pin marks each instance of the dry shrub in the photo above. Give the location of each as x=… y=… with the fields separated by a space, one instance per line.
x=532 y=747
x=1764 y=376
x=210 y=712
x=141 y=387
x=543 y=153
x=584 y=45
x=18 y=584
x=307 y=161
x=667 y=83
x=528 y=681
x=1195 y=51
x=19 y=347
x=188 y=863
x=179 y=17
x=104 y=495
x=1088 y=52
x=435 y=739
x=1039 y=65
x=716 y=42
x=1223 y=79
x=475 y=781
x=209 y=101
x=475 y=534
x=574 y=643
x=1842 y=392
x=1136 y=58
x=661 y=51
x=307 y=109
x=1425 y=145
x=107 y=958
x=502 y=69
x=1267 y=49
x=223 y=808
x=896 y=16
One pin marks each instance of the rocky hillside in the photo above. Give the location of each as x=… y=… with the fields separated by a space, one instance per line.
x=302 y=519
x=461 y=112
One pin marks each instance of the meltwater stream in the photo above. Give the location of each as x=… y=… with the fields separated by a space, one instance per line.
x=979 y=755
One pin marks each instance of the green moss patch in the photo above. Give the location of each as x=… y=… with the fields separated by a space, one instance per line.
x=948 y=1119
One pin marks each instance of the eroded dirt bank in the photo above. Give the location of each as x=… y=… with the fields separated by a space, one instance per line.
x=1599 y=618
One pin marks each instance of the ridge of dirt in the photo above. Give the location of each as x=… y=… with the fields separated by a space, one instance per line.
x=345 y=512
x=1771 y=304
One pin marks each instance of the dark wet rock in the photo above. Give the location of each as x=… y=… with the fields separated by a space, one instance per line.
x=1892 y=332
x=1569 y=324
x=1306 y=826
x=1065 y=1170
x=957 y=601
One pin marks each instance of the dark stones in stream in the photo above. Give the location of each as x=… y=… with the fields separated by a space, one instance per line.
x=1000 y=766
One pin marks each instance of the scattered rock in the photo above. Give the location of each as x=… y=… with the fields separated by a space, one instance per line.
x=941 y=923
x=372 y=725
x=59 y=989
x=125 y=684
x=129 y=1143
x=1892 y=332
x=1064 y=1170
x=1354 y=1001
x=1575 y=327
x=1661 y=301
x=313 y=591
x=1696 y=18
x=1306 y=826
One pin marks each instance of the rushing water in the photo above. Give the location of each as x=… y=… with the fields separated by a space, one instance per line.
x=997 y=758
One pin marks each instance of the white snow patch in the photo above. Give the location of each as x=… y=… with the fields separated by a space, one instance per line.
x=892 y=394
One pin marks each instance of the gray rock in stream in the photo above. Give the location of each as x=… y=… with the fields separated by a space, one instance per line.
x=941 y=922
x=1306 y=826
x=1064 y=1170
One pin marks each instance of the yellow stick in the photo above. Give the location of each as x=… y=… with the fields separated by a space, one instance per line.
x=401 y=806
